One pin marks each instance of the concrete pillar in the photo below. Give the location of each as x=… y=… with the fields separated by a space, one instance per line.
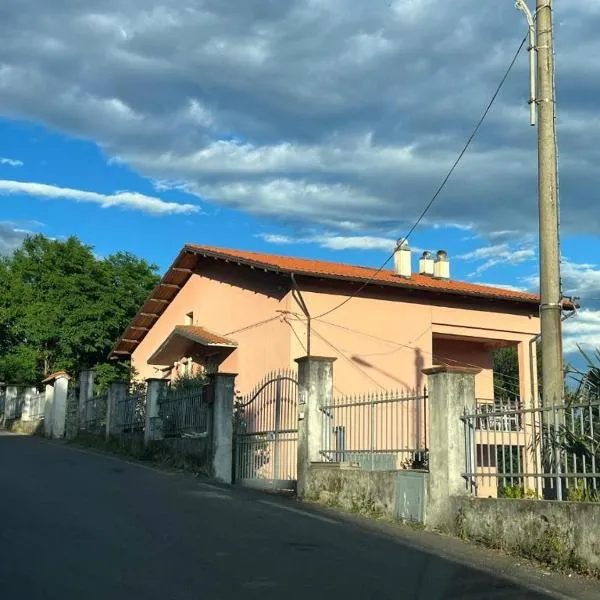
x=315 y=379
x=2 y=403
x=26 y=406
x=451 y=391
x=117 y=393
x=48 y=409
x=155 y=388
x=86 y=391
x=12 y=398
x=222 y=426
x=59 y=406
x=72 y=416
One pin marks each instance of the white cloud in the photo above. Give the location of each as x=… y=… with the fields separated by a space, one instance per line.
x=11 y=162
x=334 y=242
x=11 y=237
x=273 y=238
x=582 y=330
x=251 y=103
x=128 y=200
x=498 y=254
x=503 y=286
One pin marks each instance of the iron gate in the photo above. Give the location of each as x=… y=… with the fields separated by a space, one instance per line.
x=266 y=440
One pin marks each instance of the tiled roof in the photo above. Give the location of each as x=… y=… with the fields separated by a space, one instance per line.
x=187 y=261
x=204 y=336
x=320 y=268
x=56 y=375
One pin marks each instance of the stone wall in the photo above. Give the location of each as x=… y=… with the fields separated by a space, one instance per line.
x=379 y=494
x=562 y=534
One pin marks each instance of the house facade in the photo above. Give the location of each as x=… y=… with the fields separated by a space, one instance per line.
x=251 y=314
x=247 y=313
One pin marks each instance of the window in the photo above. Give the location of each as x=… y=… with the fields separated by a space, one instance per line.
x=189 y=318
x=486 y=455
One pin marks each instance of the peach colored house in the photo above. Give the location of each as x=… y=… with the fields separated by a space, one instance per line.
x=238 y=311
x=243 y=312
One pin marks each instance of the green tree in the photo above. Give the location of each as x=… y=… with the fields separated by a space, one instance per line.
x=61 y=307
x=506 y=374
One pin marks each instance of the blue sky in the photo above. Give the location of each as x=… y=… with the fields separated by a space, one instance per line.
x=311 y=129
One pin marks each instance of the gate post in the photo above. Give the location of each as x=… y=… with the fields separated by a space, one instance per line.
x=451 y=391
x=26 y=410
x=222 y=426
x=116 y=393
x=155 y=388
x=59 y=405
x=86 y=391
x=48 y=407
x=315 y=381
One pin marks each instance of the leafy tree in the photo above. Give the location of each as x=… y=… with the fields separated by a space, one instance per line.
x=506 y=374
x=61 y=307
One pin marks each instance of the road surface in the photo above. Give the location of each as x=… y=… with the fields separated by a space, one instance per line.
x=78 y=525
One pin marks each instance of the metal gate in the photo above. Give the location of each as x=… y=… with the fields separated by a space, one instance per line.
x=266 y=440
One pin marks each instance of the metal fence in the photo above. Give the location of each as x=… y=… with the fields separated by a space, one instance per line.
x=94 y=415
x=37 y=406
x=533 y=452
x=131 y=413
x=378 y=431
x=184 y=411
x=266 y=432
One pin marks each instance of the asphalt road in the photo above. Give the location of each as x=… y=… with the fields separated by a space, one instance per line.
x=76 y=525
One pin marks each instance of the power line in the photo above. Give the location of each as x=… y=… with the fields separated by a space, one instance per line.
x=252 y=326
x=442 y=184
x=349 y=360
x=408 y=347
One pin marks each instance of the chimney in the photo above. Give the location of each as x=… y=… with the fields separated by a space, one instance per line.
x=402 y=262
x=426 y=263
x=441 y=268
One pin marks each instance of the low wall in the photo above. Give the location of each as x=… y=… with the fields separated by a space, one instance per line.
x=26 y=427
x=394 y=495
x=189 y=453
x=563 y=534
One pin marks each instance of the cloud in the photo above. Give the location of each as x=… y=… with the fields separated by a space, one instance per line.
x=11 y=162
x=334 y=242
x=304 y=111
x=582 y=330
x=580 y=280
x=128 y=200
x=498 y=254
x=503 y=286
x=11 y=237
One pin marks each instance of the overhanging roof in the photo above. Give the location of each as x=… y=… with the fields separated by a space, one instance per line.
x=187 y=340
x=186 y=264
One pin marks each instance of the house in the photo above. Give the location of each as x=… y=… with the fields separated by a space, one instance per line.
x=233 y=311
x=245 y=312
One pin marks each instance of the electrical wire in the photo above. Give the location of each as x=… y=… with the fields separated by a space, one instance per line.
x=442 y=184
x=349 y=360
x=409 y=347
x=253 y=325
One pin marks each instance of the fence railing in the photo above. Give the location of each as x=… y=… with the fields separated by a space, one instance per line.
x=537 y=452
x=131 y=413
x=378 y=431
x=184 y=411
x=94 y=415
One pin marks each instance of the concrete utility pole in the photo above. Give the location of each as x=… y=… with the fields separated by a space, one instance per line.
x=550 y=287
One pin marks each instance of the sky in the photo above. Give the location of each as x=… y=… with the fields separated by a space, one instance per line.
x=315 y=128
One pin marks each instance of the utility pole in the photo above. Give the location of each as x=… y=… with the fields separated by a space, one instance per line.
x=550 y=285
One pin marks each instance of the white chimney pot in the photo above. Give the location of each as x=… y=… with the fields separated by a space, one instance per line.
x=441 y=268
x=426 y=264
x=402 y=259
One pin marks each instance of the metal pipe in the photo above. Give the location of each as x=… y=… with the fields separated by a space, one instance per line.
x=297 y=295
x=522 y=6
